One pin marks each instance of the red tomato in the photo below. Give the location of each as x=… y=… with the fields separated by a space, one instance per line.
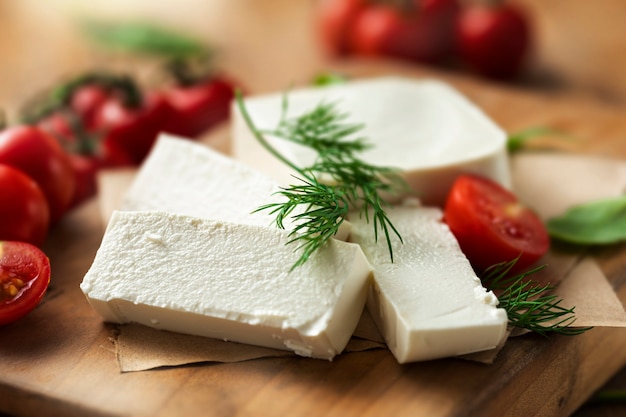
x=38 y=155
x=493 y=41
x=85 y=171
x=198 y=107
x=24 y=279
x=423 y=34
x=130 y=131
x=492 y=226
x=335 y=18
x=86 y=102
x=24 y=213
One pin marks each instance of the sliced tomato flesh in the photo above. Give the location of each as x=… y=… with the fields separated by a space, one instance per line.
x=492 y=226
x=24 y=279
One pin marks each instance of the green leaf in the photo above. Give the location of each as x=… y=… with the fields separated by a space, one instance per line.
x=143 y=38
x=600 y=222
x=517 y=140
x=329 y=78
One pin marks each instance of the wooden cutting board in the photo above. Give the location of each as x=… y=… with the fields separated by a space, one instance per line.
x=60 y=360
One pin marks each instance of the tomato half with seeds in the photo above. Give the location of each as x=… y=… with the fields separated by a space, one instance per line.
x=492 y=226
x=24 y=279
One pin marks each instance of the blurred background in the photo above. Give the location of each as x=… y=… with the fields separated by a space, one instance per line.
x=574 y=48
x=577 y=46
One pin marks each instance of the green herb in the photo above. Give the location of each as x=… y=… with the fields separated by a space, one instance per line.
x=329 y=78
x=516 y=141
x=143 y=38
x=609 y=397
x=599 y=222
x=354 y=184
x=530 y=305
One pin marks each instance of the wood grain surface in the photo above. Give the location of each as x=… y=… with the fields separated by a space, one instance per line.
x=61 y=357
x=60 y=360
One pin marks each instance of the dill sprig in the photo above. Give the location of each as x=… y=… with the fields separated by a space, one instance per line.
x=528 y=304
x=317 y=207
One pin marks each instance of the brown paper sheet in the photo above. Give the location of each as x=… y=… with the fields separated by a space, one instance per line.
x=549 y=183
x=141 y=348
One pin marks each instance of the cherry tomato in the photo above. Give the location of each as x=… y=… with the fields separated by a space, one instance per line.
x=198 y=107
x=492 y=226
x=24 y=213
x=423 y=33
x=86 y=102
x=493 y=41
x=38 y=155
x=24 y=279
x=85 y=171
x=335 y=19
x=131 y=131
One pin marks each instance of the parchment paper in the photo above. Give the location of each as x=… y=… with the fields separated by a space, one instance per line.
x=549 y=183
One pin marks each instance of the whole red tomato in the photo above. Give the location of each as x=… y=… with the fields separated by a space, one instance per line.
x=493 y=40
x=40 y=156
x=335 y=19
x=86 y=101
x=492 y=226
x=24 y=279
x=198 y=107
x=130 y=131
x=85 y=171
x=24 y=213
x=423 y=33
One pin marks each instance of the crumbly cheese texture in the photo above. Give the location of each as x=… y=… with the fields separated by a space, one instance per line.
x=425 y=128
x=186 y=177
x=228 y=281
x=428 y=303
x=182 y=176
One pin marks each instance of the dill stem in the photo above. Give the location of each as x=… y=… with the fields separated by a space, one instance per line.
x=257 y=134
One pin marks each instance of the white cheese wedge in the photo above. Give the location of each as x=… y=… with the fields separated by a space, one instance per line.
x=426 y=129
x=227 y=281
x=428 y=303
x=186 y=177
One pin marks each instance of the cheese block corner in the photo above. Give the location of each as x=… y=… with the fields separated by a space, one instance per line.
x=428 y=303
x=228 y=281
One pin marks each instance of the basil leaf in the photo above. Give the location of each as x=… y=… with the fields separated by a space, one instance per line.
x=143 y=38
x=517 y=140
x=329 y=78
x=600 y=222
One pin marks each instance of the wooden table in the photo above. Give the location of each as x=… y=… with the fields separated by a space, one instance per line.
x=61 y=358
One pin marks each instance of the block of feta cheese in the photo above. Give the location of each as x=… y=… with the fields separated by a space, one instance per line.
x=182 y=176
x=228 y=281
x=428 y=303
x=424 y=128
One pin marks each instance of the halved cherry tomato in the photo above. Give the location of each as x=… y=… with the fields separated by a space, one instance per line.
x=40 y=156
x=492 y=226
x=24 y=213
x=24 y=279
x=198 y=107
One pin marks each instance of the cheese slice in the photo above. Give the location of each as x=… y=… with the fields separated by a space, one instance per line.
x=428 y=303
x=227 y=281
x=186 y=177
x=425 y=128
